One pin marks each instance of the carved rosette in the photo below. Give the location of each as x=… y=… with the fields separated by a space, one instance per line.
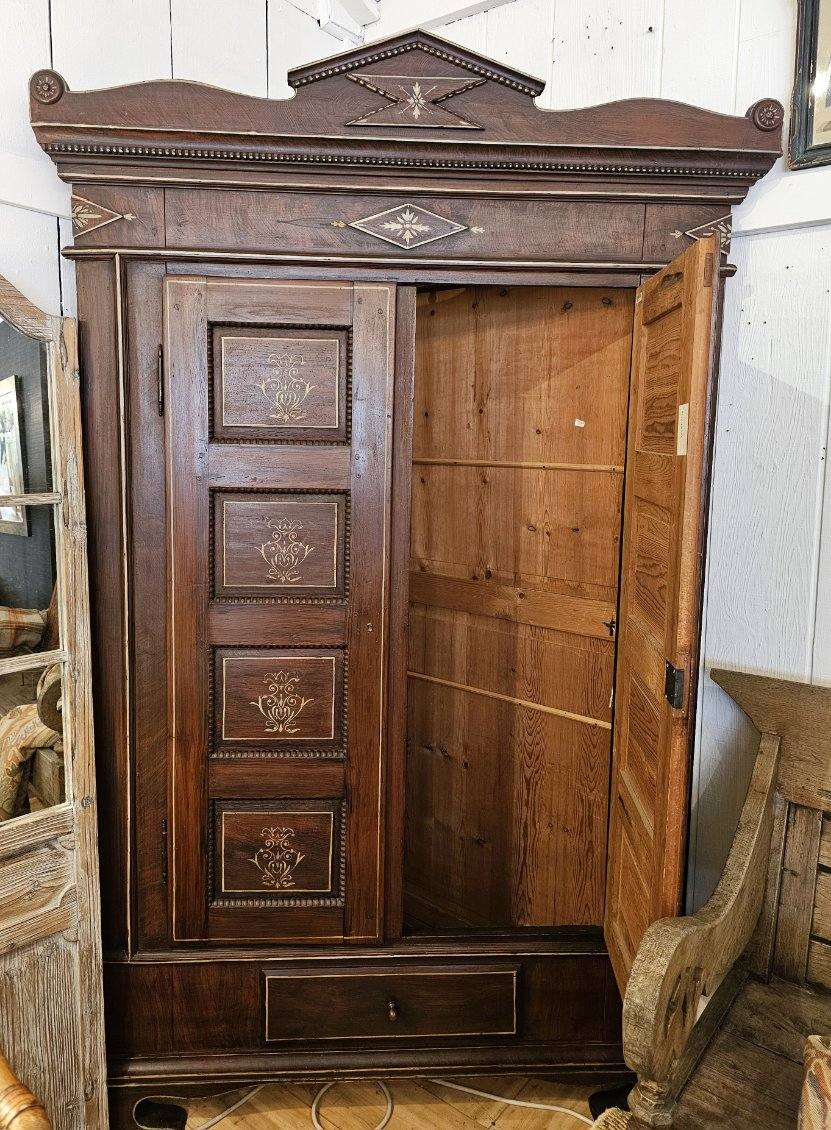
x=47 y=87
x=767 y=114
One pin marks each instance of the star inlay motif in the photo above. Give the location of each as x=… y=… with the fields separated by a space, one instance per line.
x=416 y=100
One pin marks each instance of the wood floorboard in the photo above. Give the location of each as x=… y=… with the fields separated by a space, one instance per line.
x=419 y=1105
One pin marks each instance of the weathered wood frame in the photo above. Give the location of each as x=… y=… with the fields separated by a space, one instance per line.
x=48 y=859
x=689 y=970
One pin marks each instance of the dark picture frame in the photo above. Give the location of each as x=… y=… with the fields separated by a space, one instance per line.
x=810 y=142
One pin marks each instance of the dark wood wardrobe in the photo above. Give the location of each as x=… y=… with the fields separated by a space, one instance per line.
x=398 y=399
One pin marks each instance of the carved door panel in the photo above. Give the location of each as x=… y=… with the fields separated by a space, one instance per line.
x=279 y=414
x=663 y=533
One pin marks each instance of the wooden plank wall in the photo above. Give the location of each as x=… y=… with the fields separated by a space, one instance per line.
x=519 y=436
x=771 y=520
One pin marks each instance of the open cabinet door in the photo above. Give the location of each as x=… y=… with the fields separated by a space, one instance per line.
x=51 y=1003
x=664 y=522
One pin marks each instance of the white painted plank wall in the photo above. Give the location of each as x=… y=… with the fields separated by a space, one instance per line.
x=769 y=585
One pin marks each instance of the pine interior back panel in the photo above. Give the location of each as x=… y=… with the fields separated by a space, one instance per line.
x=519 y=443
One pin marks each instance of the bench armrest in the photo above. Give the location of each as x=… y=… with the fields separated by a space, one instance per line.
x=682 y=962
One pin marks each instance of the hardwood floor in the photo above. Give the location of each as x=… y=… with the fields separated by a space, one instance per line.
x=419 y=1105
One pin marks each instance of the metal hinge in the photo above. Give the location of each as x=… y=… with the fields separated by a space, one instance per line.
x=160 y=382
x=164 y=852
x=674 y=686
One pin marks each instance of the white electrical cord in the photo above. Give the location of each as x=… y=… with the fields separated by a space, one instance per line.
x=513 y=1102
x=328 y=1086
x=385 y=1121
x=224 y=1114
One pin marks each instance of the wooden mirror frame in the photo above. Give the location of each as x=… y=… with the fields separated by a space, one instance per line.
x=49 y=889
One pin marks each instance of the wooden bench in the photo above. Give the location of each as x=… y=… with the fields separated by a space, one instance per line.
x=720 y=1003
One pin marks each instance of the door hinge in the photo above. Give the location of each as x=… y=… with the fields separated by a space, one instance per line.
x=674 y=686
x=160 y=382
x=164 y=853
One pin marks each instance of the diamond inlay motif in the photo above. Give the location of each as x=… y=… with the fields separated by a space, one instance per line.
x=408 y=226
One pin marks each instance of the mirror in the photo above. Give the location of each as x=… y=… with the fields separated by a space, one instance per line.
x=31 y=743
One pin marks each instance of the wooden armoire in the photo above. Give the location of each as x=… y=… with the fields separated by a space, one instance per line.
x=398 y=399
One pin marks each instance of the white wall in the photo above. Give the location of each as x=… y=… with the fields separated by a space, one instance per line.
x=768 y=600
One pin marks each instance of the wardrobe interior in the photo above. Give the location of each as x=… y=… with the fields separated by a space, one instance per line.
x=519 y=440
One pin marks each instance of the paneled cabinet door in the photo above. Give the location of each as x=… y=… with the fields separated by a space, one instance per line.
x=663 y=530
x=279 y=408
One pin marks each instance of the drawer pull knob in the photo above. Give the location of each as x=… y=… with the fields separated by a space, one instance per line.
x=392 y=1010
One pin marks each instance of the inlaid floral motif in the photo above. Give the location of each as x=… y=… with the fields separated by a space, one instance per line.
x=284 y=552
x=408 y=225
x=286 y=388
x=278 y=858
x=282 y=704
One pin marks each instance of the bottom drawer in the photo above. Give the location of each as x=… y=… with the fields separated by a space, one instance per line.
x=407 y=1001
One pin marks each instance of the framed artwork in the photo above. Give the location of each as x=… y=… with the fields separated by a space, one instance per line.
x=13 y=519
x=811 y=112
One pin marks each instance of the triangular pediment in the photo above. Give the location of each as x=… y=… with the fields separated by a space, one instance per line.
x=425 y=54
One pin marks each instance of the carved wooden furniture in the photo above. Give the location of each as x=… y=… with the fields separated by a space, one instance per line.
x=740 y=985
x=361 y=371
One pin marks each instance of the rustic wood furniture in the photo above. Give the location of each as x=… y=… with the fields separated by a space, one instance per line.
x=364 y=373
x=51 y=1000
x=719 y=1004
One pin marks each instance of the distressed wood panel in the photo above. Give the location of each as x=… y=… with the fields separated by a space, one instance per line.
x=222 y=42
x=797 y=893
x=552 y=530
x=278 y=849
x=39 y=993
x=279 y=545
